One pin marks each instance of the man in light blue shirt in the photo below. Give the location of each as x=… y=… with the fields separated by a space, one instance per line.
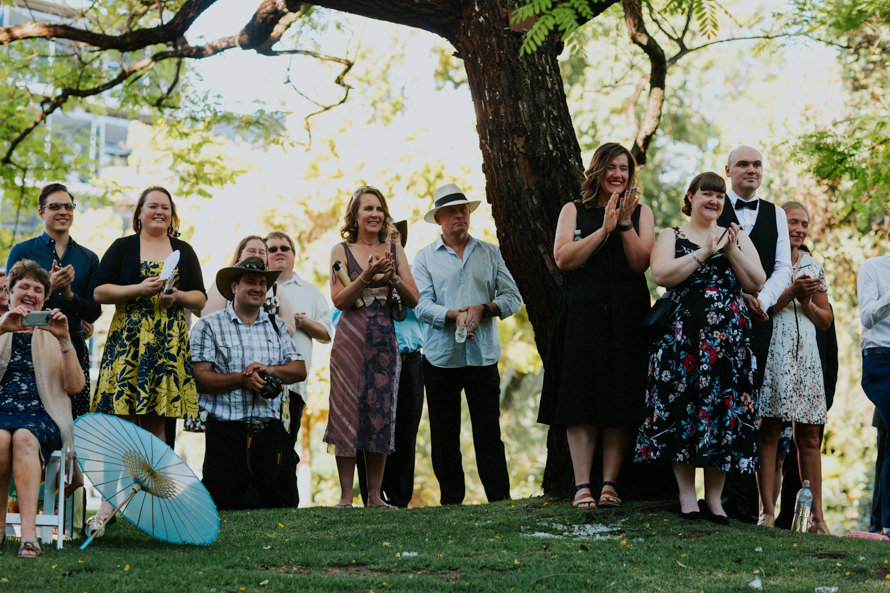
x=464 y=284
x=873 y=288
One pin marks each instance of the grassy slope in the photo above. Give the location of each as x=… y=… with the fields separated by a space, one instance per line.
x=469 y=548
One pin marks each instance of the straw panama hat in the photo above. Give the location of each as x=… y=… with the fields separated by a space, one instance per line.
x=448 y=195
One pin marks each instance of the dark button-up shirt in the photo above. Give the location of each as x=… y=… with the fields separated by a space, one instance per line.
x=42 y=250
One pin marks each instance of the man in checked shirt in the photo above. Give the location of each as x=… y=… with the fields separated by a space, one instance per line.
x=241 y=357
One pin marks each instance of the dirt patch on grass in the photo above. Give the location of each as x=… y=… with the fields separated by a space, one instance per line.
x=359 y=570
x=286 y=568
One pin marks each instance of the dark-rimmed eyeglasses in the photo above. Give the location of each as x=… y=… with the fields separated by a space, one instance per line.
x=359 y=191
x=275 y=249
x=56 y=206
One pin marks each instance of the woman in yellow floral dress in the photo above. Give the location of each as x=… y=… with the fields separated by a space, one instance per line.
x=146 y=372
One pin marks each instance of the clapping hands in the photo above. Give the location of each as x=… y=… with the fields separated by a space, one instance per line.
x=381 y=265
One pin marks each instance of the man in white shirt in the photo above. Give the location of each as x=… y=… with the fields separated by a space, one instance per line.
x=312 y=315
x=767 y=226
x=873 y=287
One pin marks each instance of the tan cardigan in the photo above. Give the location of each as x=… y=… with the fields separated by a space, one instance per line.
x=47 y=357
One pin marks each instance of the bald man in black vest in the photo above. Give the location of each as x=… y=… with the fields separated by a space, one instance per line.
x=767 y=226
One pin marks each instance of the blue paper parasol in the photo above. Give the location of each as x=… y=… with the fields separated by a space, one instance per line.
x=144 y=480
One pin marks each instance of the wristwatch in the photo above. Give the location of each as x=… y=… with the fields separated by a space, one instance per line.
x=625 y=227
x=486 y=311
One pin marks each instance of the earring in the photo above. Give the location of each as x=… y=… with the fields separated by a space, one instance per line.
x=354 y=225
x=138 y=225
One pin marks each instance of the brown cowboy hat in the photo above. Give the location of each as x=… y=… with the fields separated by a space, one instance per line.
x=249 y=265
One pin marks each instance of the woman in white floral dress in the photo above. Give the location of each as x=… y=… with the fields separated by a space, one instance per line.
x=793 y=387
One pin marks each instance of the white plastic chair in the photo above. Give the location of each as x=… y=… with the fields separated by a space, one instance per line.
x=58 y=510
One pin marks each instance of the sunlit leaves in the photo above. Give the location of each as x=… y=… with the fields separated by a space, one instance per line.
x=565 y=17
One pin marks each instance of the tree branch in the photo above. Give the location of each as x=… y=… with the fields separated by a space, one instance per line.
x=267 y=26
x=436 y=16
x=766 y=37
x=50 y=104
x=129 y=41
x=636 y=29
x=340 y=81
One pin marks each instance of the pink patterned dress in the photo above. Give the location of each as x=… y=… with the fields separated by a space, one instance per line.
x=365 y=368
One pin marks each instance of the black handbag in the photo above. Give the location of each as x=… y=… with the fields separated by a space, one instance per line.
x=397 y=309
x=656 y=319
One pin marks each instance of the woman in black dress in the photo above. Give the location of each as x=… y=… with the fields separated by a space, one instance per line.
x=594 y=380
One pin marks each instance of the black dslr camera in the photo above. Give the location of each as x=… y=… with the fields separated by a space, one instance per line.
x=272 y=388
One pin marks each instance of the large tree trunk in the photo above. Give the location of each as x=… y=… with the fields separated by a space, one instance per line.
x=532 y=164
x=531 y=158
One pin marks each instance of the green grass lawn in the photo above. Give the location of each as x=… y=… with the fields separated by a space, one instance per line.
x=524 y=545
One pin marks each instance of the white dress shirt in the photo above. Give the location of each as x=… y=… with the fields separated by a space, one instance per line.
x=305 y=298
x=780 y=279
x=873 y=287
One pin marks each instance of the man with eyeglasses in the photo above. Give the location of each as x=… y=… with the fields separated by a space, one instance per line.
x=72 y=268
x=312 y=315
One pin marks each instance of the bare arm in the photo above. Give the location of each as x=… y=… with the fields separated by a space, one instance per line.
x=744 y=260
x=193 y=300
x=215 y=301
x=817 y=308
x=73 y=379
x=112 y=294
x=667 y=269
x=637 y=246
x=343 y=297
x=570 y=254
x=313 y=329
x=214 y=383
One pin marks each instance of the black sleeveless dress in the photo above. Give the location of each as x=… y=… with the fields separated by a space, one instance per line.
x=596 y=368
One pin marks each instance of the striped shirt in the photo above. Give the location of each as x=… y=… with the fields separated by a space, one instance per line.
x=222 y=339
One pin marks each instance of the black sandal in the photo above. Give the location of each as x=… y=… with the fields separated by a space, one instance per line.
x=607 y=499
x=30 y=548
x=583 y=502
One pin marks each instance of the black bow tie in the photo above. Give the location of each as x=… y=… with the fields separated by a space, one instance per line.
x=740 y=204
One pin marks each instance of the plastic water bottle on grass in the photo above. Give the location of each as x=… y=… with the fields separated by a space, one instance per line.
x=803 y=504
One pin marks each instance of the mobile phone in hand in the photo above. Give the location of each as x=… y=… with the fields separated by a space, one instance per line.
x=36 y=319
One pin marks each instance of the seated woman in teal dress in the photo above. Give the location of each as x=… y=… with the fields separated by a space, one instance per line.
x=39 y=368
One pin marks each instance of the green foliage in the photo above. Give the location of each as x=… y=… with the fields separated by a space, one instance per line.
x=548 y=16
x=568 y=16
x=851 y=154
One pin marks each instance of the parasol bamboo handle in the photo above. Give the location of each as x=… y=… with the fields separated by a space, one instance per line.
x=136 y=488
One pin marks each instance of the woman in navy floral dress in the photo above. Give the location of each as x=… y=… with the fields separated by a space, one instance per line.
x=700 y=398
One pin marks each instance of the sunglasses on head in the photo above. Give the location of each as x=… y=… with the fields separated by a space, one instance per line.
x=56 y=206
x=275 y=248
x=359 y=191
x=257 y=266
